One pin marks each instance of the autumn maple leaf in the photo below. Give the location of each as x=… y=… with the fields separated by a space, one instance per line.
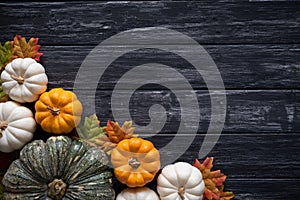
x=3 y=97
x=116 y=133
x=23 y=49
x=213 y=181
x=5 y=53
x=91 y=132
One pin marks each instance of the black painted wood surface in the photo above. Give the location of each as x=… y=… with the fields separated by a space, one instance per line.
x=263 y=66
x=207 y=22
x=255 y=44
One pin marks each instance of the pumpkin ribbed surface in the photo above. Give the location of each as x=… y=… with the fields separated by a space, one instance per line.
x=142 y=193
x=59 y=169
x=24 y=80
x=58 y=111
x=17 y=126
x=136 y=162
x=180 y=181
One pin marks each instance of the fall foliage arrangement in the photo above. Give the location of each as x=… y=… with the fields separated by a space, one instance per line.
x=76 y=166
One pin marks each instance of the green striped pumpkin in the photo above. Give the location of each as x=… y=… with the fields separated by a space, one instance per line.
x=59 y=169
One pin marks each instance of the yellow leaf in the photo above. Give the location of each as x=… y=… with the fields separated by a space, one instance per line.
x=23 y=49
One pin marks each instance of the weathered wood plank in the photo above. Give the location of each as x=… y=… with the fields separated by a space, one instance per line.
x=272 y=189
x=246 y=156
x=213 y=22
x=247 y=110
x=241 y=66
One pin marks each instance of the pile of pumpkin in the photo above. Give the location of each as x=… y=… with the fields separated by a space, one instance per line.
x=76 y=166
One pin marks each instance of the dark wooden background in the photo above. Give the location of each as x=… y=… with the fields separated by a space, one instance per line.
x=256 y=46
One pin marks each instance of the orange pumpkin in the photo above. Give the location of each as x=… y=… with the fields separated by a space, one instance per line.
x=58 y=111
x=135 y=162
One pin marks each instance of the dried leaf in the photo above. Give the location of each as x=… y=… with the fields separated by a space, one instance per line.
x=95 y=135
x=5 y=54
x=127 y=127
x=213 y=181
x=116 y=133
x=3 y=97
x=105 y=144
x=225 y=195
x=23 y=49
x=91 y=129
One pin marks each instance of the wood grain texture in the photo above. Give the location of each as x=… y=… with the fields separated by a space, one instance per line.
x=245 y=156
x=254 y=111
x=89 y=23
x=241 y=66
x=263 y=189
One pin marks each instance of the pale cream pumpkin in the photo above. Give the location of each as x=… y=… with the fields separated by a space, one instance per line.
x=180 y=181
x=24 y=80
x=17 y=126
x=143 y=193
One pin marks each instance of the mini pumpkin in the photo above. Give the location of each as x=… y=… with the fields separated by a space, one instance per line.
x=180 y=181
x=17 y=126
x=58 y=111
x=143 y=193
x=24 y=80
x=135 y=162
x=59 y=169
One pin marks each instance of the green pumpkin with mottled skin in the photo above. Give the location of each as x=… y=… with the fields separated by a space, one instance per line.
x=60 y=169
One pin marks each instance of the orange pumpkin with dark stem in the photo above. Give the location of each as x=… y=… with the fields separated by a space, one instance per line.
x=58 y=111
x=135 y=162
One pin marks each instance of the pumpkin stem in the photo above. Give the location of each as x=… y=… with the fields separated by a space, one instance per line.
x=19 y=79
x=3 y=126
x=56 y=189
x=134 y=163
x=181 y=192
x=54 y=111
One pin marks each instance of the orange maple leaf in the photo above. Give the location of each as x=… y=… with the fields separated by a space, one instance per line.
x=213 y=181
x=23 y=49
x=116 y=133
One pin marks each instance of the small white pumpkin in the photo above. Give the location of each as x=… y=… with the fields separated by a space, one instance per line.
x=142 y=193
x=17 y=126
x=180 y=181
x=24 y=80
